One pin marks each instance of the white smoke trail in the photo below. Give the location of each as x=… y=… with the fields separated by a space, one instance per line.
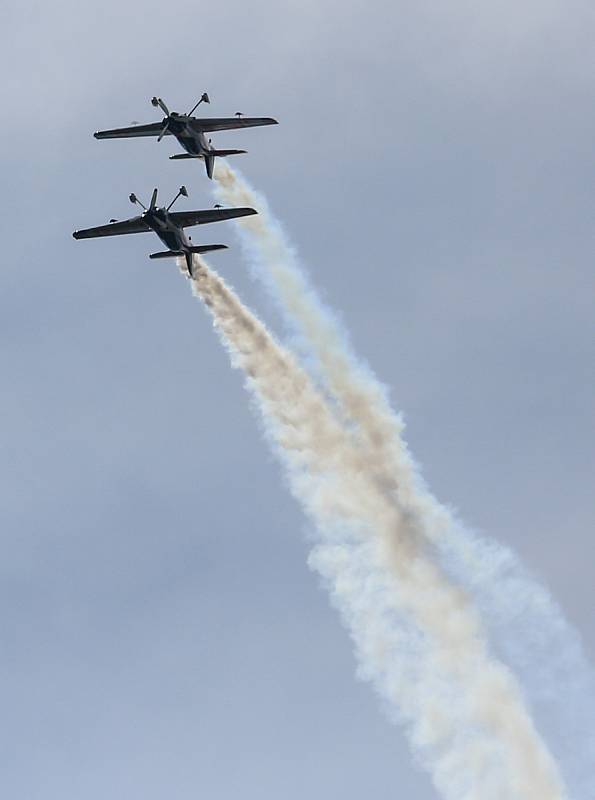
x=529 y=628
x=417 y=637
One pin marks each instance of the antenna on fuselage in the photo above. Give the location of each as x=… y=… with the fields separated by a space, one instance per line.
x=204 y=99
x=181 y=191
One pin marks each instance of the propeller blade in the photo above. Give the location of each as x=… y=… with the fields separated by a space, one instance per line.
x=163 y=131
x=203 y=99
x=157 y=101
x=183 y=192
x=134 y=199
x=153 y=199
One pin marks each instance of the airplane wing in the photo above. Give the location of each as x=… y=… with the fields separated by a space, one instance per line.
x=134 y=225
x=152 y=129
x=229 y=123
x=186 y=218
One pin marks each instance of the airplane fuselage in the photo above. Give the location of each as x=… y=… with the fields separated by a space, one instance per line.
x=194 y=142
x=172 y=236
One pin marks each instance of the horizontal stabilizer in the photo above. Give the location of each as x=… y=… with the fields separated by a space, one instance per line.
x=206 y=248
x=227 y=152
x=167 y=254
x=183 y=155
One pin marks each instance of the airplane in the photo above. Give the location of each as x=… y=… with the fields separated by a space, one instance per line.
x=189 y=131
x=169 y=226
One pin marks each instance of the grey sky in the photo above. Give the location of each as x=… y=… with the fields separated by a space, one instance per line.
x=161 y=634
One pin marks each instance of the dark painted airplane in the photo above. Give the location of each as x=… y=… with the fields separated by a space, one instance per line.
x=189 y=131
x=169 y=226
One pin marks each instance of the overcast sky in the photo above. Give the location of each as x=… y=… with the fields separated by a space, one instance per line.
x=161 y=635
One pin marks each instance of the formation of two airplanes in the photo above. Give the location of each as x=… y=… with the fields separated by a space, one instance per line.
x=169 y=225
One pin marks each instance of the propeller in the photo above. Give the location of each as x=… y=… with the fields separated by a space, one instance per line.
x=183 y=191
x=203 y=99
x=153 y=200
x=158 y=102
x=134 y=199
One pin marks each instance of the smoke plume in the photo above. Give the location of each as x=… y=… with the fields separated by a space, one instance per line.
x=417 y=636
x=528 y=628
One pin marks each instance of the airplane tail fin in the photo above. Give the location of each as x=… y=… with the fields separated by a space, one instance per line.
x=210 y=164
x=188 y=254
x=210 y=158
x=198 y=249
